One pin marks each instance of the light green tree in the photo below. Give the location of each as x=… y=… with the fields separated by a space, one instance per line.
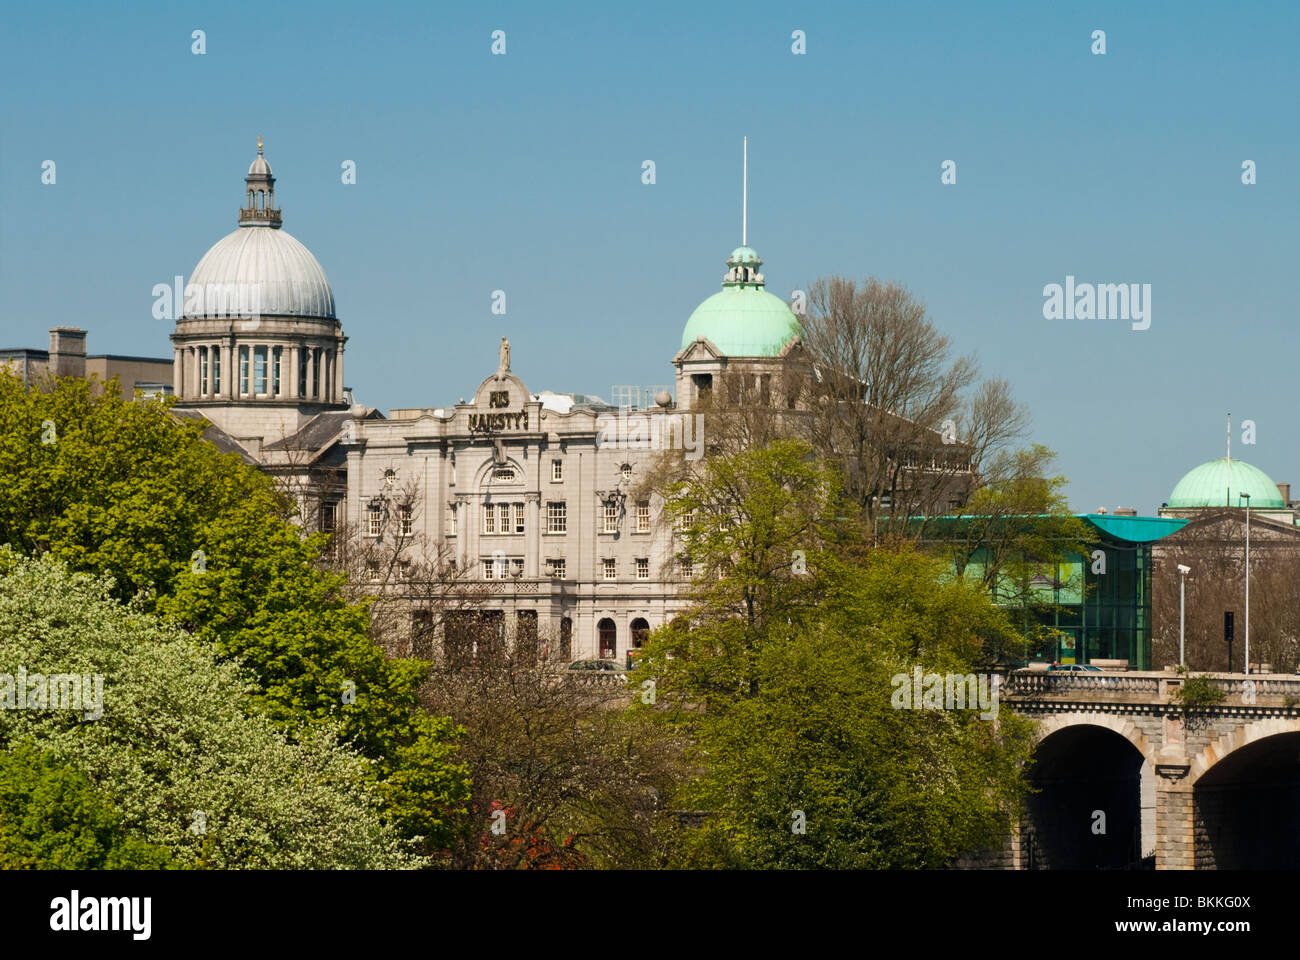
x=181 y=748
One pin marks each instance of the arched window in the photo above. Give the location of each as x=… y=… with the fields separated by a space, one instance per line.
x=640 y=632
x=608 y=636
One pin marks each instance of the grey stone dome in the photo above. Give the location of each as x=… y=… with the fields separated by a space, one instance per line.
x=289 y=280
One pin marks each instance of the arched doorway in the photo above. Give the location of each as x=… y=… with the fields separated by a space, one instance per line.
x=640 y=636
x=607 y=635
x=640 y=632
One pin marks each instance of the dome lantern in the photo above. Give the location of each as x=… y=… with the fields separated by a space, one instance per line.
x=260 y=187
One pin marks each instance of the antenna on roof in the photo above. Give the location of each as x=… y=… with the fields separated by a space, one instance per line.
x=744 y=197
x=1228 y=498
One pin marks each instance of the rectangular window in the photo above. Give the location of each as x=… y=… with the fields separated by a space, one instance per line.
x=643 y=516
x=608 y=568
x=452 y=513
x=404 y=515
x=688 y=569
x=375 y=520
x=259 y=371
x=519 y=518
x=489 y=568
x=243 y=371
x=556 y=517
x=302 y=371
x=203 y=371
x=556 y=568
x=216 y=370
x=686 y=521
x=328 y=517
x=372 y=571
x=643 y=568
x=489 y=518
x=557 y=471
x=275 y=371
x=611 y=516
x=315 y=373
x=516 y=566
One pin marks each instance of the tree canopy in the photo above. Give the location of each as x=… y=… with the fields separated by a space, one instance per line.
x=204 y=540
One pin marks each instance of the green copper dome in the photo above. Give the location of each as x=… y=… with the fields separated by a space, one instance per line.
x=1214 y=485
x=743 y=319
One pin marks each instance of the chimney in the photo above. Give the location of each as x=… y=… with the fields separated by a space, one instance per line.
x=1285 y=490
x=67 y=352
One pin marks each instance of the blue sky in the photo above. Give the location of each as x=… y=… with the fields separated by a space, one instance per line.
x=523 y=173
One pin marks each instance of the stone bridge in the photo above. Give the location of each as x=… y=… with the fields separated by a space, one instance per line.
x=1128 y=778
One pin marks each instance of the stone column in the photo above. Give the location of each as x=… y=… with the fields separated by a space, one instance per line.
x=293 y=372
x=178 y=372
x=338 y=372
x=311 y=380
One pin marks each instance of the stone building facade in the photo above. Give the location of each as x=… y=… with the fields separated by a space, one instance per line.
x=67 y=357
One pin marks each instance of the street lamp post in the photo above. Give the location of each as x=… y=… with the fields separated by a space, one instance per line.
x=1182 y=589
x=1247 y=496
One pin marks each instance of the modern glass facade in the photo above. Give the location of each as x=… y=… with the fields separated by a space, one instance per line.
x=1101 y=607
x=1094 y=607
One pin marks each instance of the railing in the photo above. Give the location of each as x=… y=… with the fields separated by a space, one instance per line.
x=1265 y=686
x=511 y=586
x=1029 y=684
x=598 y=678
x=1150 y=685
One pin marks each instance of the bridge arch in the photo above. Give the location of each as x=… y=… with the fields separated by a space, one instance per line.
x=1126 y=728
x=1086 y=808
x=1245 y=794
x=1235 y=739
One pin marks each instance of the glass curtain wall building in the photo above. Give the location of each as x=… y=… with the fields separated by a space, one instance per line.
x=1094 y=607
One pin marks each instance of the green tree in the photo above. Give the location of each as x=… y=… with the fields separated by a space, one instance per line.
x=203 y=539
x=53 y=818
x=791 y=712
x=174 y=737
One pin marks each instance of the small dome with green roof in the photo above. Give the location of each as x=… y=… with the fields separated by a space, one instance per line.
x=1219 y=483
x=743 y=320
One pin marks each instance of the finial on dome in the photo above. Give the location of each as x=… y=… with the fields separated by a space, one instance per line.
x=259 y=144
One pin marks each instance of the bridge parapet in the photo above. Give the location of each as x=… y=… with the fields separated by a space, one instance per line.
x=1029 y=684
